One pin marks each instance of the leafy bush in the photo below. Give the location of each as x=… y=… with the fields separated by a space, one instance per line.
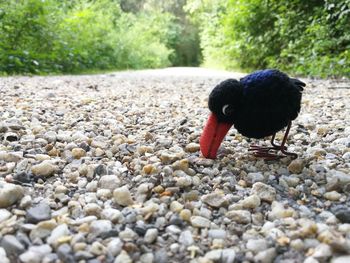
x=302 y=37
x=27 y=31
x=207 y=15
x=74 y=36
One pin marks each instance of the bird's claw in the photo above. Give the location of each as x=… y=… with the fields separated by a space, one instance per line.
x=264 y=152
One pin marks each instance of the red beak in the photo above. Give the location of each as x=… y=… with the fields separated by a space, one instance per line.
x=213 y=134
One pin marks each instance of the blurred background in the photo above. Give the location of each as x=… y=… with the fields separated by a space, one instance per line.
x=308 y=38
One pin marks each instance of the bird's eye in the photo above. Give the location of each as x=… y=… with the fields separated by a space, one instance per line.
x=227 y=110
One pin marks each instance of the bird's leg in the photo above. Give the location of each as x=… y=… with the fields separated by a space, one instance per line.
x=283 y=148
x=276 y=146
x=264 y=152
x=266 y=149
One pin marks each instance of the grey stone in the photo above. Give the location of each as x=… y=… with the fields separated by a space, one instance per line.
x=39 y=212
x=265 y=192
x=343 y=214
x=161 y=256
x=217 y=233
x=186 y=238
x=11 y=245
x=65 y=254
x=100 y=226
x=215 y=200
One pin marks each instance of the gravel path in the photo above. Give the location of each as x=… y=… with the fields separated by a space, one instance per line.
x=106 y=168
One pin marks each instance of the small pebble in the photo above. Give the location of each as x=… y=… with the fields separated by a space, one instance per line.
x=78 y=153
x=122 y=196
x=215 y=200
x=332 y=196
x=39 y=212
x=10 y=194
x=264 y=192
x=240 y=216
x=296 y=166
x=45 y=168
x=151 y=235
x=200 y=222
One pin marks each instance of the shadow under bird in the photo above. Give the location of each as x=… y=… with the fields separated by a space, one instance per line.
x=258 y=105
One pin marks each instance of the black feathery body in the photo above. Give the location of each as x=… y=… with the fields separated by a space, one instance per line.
x=260 y=104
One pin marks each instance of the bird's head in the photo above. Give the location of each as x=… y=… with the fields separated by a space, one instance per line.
x=225 y=99
x=224 y=102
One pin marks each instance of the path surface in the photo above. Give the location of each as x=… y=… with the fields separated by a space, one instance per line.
x=106 y=168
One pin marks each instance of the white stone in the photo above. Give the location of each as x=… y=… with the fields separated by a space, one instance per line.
x=30 y=257
x=240 y=216
x=97 y=249
x=45 y=168
x=123 y=257
x=214 y=255
x=199 y=221
x=228 y=255
x=110 y=182
x=217 y=233
x=266 y=256
x=151 y=235
x=215 y=200
x=176 y=206
x=3 y=256
x=341 y=259
x=99 y=226
x=127 y=234
x=147 y=258
x=4 y=215
x=35 y=254
x=310 y=260
x=60 y=231
x=257 y=245
x=322 y=252
x=251 y=202
x=115 y=246
x=10 y=194
x=10 y=157
x=332 y=196
x=278 y=211
x=122 y=196
x=92 y=209
x=114 y=215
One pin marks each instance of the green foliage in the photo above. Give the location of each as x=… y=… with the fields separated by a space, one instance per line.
x=20 y=24
x=44 y=36
x=183 y=34
x=207 y=15
x=302 y=37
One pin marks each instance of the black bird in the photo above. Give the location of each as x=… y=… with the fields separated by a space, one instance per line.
x=258 y=105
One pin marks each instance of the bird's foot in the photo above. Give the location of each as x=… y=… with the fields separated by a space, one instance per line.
x=265 y=152
x=270 y=153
